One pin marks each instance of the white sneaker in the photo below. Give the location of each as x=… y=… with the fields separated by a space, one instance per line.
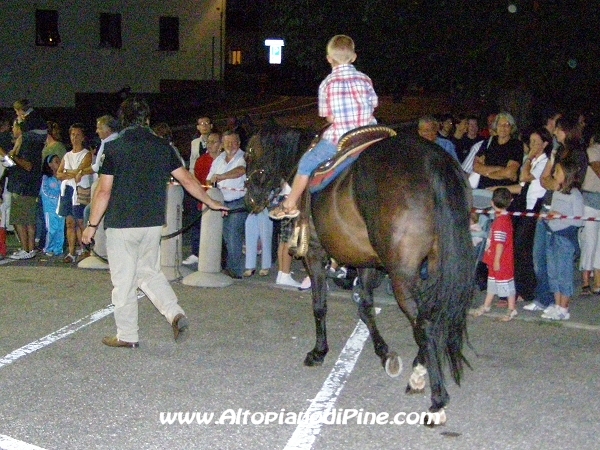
x=287 y=280
x=192 y=259
x=533 y=306
x=306 y=284
x=557 y=314
x=21 y=254
x=337 y=273
x=549 y=309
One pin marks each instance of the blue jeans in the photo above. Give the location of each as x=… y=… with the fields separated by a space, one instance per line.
x=543 y=295
x=259 y=225
x=233 y=235
x=560 y=253
x=312 y=159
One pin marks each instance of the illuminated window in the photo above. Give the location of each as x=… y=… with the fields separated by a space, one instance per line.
x=235 y=58
x=168 y=33
x=110 y=30
x=46 y=28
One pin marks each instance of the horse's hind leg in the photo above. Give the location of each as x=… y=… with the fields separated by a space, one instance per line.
x=416 y=382
x=367 y=279
x=427 y=362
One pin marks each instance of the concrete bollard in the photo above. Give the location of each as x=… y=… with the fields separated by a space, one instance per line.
x=170 y=249
x=209 y=254
x=94 y=262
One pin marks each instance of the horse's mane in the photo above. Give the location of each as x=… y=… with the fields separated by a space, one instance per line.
x=282 y=149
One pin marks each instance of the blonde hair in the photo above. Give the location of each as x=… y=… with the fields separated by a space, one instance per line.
x=340 y=49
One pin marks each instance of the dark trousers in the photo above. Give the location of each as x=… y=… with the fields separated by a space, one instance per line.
x=525 y=280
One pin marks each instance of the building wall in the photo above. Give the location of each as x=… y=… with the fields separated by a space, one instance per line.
x=50 y=76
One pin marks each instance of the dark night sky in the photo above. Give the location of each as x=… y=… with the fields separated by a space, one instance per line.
x=548 y=45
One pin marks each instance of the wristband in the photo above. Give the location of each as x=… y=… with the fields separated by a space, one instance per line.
x=89 y=224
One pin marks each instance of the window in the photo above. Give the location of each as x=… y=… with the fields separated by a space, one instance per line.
x=235 y=57
x=46 y=28
x=110 y=30
x=168 y=33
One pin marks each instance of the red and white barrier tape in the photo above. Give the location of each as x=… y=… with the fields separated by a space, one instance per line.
x=538 y=215
x=208 y=186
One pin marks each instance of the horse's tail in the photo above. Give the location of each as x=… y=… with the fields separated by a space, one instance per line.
x=452 y=291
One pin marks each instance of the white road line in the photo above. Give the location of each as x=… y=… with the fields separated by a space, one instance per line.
x=8 y=443
x=53 y=337
x=305 y=434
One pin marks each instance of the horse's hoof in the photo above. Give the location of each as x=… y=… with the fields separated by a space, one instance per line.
x=416 y=382
x=410 y=390
x=434 y=419
x=393 y=364
x=311 y=360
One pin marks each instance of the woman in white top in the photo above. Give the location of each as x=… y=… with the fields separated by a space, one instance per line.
x=75 y=172
x=589 y=239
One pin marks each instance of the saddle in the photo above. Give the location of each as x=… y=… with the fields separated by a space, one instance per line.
x=350 y=146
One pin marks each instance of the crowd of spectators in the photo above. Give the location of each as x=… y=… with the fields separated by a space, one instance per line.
x=47 y=189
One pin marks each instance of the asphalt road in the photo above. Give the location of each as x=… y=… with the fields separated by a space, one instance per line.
x=533 y=385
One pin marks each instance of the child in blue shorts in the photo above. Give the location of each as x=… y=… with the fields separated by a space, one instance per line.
x=347 y=99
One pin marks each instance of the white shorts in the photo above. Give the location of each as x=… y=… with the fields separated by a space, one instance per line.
x=504 y=288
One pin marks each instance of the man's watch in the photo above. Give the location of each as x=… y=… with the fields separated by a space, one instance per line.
x=89 y=224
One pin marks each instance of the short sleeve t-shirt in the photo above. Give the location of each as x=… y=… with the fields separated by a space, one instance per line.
x=501 y=233
x=141 y=164
x=499 y=155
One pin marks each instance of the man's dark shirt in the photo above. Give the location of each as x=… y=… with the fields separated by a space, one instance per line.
x=141 y=164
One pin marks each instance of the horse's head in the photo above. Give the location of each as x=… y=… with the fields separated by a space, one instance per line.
x=261 y=186
x=271 y=157
x=262 y=181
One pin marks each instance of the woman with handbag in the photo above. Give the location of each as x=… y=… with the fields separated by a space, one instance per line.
x=75 y=174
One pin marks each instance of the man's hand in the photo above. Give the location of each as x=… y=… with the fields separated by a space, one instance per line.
x=88 y=235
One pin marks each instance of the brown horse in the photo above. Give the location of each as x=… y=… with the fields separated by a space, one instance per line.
x=402 y=208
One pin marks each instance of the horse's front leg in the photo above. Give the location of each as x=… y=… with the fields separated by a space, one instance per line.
x=363 y=295
x=316 y=272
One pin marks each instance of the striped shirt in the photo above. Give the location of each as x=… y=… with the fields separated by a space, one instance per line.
x=348 y=96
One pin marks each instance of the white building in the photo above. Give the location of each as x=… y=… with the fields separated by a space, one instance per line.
x=52 y=49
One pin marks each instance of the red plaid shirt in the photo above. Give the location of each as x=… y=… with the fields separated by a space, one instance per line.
x=348 y=96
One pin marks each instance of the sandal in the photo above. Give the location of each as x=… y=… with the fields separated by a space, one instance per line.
x=248 y=273
x=480 y=311
x=263 y=272
x=510 y=315
x=281 y=212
